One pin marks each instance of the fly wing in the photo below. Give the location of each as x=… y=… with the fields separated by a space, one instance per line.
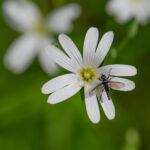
x=96 y=89
x=100 y=92
x=116 y=85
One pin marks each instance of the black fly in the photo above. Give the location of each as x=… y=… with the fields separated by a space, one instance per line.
x=105 y=84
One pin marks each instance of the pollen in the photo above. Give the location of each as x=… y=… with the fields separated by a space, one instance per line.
x=87 y=74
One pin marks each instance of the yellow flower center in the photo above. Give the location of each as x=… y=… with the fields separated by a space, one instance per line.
x=41 y=28
x=87 y=74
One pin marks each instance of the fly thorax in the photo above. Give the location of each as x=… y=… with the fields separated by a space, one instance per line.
x=105 y=81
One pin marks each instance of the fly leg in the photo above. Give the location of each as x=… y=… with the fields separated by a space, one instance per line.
x=108 y=78
x=99 y=94
x=107 y=91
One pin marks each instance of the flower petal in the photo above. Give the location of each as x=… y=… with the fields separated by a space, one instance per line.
x=21 y=15
x=58 y=83
x=107 y=106
x=71 y=49
x=60 y=58
x=21 y=53
x=90 y=44
x=103 y=47
x=143 y=13
x=48 y=65
x=92 y=107
x=129 y=85
x=64 y=93
x=122 y=10
x=118 y=70
x=60 y=20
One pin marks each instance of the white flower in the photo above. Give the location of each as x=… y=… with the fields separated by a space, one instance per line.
x=85 y=72
x=125 y=10
x=25 y=17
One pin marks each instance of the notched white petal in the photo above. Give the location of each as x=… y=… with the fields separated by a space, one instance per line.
x=90 y=44
x=58 y=83
x=60 y=58
x=64 y=93
x=48 y=65
x=60 y=20
x=103 y=47
x=118 y=70
x=71 y=49
x=107 y=106
x=92 y=106
x=92 y=109
x=21 y=53
x=128 y=84
x=21 y=15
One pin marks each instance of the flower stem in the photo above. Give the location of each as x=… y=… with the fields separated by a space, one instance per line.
x=114 y=52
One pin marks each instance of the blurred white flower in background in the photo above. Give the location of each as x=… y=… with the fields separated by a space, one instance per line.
x=26 y=18
x=85 y=72
x=125 y=10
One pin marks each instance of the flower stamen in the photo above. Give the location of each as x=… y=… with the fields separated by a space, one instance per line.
x=87 y=74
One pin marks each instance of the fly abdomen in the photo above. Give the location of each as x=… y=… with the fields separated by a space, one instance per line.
x=107 y=90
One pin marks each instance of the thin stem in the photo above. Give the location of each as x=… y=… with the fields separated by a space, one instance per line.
x=114 y=52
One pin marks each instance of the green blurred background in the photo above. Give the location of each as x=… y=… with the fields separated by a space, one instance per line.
x=28 y=122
